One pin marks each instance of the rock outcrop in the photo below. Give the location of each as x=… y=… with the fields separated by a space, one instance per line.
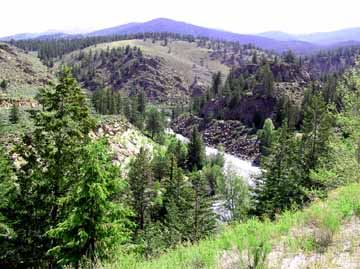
x=235 y=137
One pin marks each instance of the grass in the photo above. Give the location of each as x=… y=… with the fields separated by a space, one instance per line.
x=185 y=59
x=24 y=72
x=253 y=240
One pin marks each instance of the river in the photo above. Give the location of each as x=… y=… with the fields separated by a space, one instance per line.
x=241 y=167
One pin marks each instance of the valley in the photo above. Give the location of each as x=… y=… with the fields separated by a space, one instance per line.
x=168 y=145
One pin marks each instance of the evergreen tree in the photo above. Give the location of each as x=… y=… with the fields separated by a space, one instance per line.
x=266 y=136
x=155 y=122
x=141 y=181
x=289 y=57
x=216 y=83
x=93 y=224
x=7 y=257
x=203 y=217
x=196 y=151
x=14 y=115
x=317 y=131
x=177 y=202
x=50 y=155
x=141 y=102
x=179 y=151
x=267 y=79
x=4 y=84
x=281 y=185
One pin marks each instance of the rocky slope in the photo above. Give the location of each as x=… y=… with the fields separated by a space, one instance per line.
x=125 y=140
x=169 y=73
x=236 y=139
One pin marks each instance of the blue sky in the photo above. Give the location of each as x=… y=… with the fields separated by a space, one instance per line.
x=241 y=16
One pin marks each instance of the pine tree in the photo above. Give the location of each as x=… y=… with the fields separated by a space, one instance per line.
x=317 y=131
x=93 y=224
x=267 y=79
x=177 y=202
x=50 y=154
x=140 y=179
x=203 y=217
x=14 y=115
x=154 y=122
x=4 y=85
x=266 y=136
x=216 y=83
x=196 y=151
x=141 y=102
x=281 y=184
x=7 y=245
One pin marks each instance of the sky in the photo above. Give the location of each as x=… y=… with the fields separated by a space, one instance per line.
x=239 y=16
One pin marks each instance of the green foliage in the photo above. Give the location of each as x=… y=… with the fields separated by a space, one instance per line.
x=14 y=115
x=7 y=256
x=203 y=218
x=155 y=122
x=266 y=136
x=254 y=58
x=281 y=183
x=213 y=175
x=216 y=83
x=253 y=246
x=256 y=245
x=317 y=130
x=55 y=161
x=235 y=192
x=179 y=151
x=4 y=85
x=141 y=181
x=178 y=199
x=341 y=165
x=92 y=223
x=289 y=57
x=196 y=151
x=107 y=102
x=267 y=79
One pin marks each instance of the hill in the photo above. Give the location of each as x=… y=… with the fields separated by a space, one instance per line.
x=23 y=72
x=166 y=25
x=168 y=72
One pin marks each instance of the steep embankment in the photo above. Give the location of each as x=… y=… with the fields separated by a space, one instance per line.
x=235 y=137
x=324 y=235
x=125 y=140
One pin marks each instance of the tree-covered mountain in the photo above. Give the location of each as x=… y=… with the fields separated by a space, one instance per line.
x=168 y=25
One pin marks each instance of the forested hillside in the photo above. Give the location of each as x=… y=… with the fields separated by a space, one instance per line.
x=92 y=174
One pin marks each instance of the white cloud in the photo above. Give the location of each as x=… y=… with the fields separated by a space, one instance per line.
x=242 y=16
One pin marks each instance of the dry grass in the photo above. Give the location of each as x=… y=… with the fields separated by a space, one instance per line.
x=24 y=72
x=180 y=58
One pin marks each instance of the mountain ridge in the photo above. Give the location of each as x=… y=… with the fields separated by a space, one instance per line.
x=273 y=40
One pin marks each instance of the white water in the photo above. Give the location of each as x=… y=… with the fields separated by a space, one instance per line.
x=243 y=168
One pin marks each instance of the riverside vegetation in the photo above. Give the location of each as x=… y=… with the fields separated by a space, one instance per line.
x=64 y=203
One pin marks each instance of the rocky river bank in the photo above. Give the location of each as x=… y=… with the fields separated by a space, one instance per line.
x=236 y=138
